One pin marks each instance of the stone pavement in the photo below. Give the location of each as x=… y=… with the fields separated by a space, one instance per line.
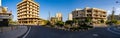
x=13 y=33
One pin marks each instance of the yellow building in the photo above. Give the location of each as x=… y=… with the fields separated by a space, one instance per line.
x=28 y=12
x=59 y=16
x=70 y=17
x=95 y=14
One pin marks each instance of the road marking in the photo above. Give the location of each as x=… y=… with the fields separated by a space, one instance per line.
x=27 y=33
x=95 y=35
x=112 y=31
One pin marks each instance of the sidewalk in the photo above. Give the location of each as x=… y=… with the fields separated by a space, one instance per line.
x=20 y=30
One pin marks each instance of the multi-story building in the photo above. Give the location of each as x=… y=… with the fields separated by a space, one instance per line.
x=5 y=16
x=28 y=12
x=95 y=14
x=59 y=16
x=70 y=17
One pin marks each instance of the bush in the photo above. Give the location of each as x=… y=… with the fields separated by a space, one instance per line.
x=113 y=21
x=48 y=23
x=69 y=22
x=60 y=23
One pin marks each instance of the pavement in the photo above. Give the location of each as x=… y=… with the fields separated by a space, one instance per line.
x=45 y=32
x=14 y=33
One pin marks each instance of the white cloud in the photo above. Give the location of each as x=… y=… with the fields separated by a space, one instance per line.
x=109 y=12
x=117 y=11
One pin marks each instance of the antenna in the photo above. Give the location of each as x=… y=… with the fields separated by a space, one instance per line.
x=49 y=15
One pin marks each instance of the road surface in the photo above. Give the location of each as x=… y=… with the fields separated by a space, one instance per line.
x=45 y=32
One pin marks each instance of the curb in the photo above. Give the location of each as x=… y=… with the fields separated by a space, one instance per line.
x=112 y=31
x=26 y=33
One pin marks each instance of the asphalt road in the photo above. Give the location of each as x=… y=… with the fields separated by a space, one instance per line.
x=45 y=32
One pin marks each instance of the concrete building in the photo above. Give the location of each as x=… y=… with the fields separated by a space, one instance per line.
x=70 y=17
x=5 y=16
x=59 y=16
x=28 y=12
x=95 y=14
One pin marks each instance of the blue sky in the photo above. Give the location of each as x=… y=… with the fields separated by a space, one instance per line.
x=63 y=6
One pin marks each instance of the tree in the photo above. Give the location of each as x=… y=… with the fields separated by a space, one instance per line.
x=60 y=23
x=107 y=22
x=114 y=21
x=112 y=16
x=69 y=22
x=75 y=20
x=48 y=22
x=11 y=22
x=87 y=20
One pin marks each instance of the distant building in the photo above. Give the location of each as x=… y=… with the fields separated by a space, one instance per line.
x=41 y=22
x=53 y=20
x=59 y=16
x=116 y=17
x=5 y=16
x=70 y=17
x=28 y=12
x=95 y=14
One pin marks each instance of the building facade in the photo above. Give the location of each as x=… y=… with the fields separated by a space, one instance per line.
x=95 y=14
x=70 y=17
x=28 y=12
x=59 y=16
x=5 y=16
